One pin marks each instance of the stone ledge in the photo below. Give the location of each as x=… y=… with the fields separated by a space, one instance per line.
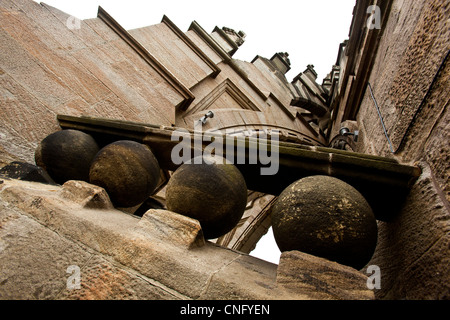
x=149 y=249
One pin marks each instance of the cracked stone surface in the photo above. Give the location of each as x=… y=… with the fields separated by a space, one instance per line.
x=163 y=255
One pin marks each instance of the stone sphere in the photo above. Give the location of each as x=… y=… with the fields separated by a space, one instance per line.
x=66 y=155
x=213 y=193
x=325 y=217
x=127 y=170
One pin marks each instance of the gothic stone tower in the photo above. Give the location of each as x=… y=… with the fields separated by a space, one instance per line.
x=376 y=124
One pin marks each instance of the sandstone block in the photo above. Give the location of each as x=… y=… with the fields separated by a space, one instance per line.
x=173 y=228
x=86 y=194
x=319 y=278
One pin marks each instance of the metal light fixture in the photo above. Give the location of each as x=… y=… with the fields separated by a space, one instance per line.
x=346 y=132
x=210 y=114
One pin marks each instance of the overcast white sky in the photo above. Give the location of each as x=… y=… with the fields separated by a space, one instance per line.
x=309 y=30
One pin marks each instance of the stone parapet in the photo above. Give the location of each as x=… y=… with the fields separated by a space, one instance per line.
x=46 y=234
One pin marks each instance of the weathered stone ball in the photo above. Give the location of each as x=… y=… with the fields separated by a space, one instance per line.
x=325 y=217
x=127 y=170
x=215 y=194
x=66 y=155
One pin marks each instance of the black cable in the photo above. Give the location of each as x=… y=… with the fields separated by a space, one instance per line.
x=381 y=118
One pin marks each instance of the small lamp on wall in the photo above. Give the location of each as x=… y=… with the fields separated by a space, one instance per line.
x=346 y=132
x=203 y=119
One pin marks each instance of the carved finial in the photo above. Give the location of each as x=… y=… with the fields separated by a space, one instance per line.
x=238 y=37
x=310 y=70
x=281 y=61
x=285 y=57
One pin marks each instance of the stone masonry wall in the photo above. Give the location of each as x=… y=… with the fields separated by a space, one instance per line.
x=47 y=68
x=411 y=81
